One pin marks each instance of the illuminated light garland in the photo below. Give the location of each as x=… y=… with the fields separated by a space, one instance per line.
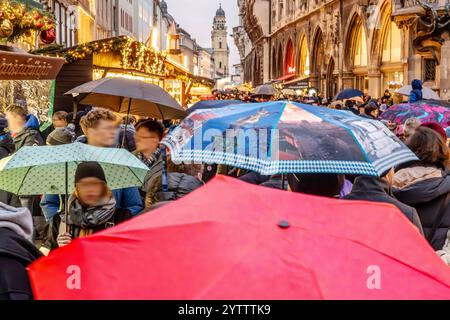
x=134 y=54
x=16 y=20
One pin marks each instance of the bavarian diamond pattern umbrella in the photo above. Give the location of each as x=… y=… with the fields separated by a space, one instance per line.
x=51 y=169
x=286 y=137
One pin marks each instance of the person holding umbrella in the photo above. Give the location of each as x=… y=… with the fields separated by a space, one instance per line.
x=101 y=131
x=92 y=207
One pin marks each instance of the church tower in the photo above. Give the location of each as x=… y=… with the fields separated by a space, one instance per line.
x=219 y=41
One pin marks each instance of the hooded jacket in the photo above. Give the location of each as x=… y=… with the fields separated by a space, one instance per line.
x=416 y=93
x=16 y=252
x=427 y=196
x=30 y=135
x=377 y=190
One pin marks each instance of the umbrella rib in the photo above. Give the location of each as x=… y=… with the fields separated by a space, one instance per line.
x=23 y=180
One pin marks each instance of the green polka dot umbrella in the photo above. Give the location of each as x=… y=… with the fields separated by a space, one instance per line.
x=39 y=170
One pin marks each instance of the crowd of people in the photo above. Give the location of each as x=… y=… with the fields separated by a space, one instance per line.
x=420 y=189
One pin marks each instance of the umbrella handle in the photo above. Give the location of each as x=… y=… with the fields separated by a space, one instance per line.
x=126 y=123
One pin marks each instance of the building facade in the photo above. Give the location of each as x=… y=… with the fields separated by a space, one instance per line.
x=336 y=44
x=219 y=44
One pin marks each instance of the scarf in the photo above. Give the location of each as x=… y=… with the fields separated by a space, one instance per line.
x=92 y=216
x=409 y=176
x=149 y=162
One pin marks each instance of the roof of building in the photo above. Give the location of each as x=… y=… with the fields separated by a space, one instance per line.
x=220 y=12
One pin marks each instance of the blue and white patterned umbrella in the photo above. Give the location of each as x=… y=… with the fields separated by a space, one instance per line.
x=287 y=137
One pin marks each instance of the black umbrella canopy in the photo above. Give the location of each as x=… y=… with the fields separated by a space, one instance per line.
x=147 y=100
x=348 y=94
x=264 y=90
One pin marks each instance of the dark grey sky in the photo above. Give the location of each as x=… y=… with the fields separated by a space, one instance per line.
x=196 y=17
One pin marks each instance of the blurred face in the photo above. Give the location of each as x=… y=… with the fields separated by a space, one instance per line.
x=15 y=122
x=103 y=135
x=90 y=191
x=146 y=141
x=57 y=123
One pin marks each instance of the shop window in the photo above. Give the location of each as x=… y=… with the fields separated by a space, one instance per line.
x=429 y=70
x=360 y=58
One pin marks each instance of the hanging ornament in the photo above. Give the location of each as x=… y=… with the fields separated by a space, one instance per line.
x=38 y=24
x=48 y=36
x=6 y=29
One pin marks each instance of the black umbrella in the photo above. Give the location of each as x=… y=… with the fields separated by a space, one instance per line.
x=129 y=96
x=348 y=94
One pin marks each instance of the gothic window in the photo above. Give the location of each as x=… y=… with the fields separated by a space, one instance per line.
x=392 y=44
x=220 y=44
x=304 y=64
x=220 y=65
x=360 y=57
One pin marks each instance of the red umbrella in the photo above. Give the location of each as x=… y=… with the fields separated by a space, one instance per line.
x=232 y=240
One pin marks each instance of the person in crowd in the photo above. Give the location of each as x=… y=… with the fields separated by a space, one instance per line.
x=319 y=184
x=410 y=127
x=350 y=106
x=24 y=127
x=416 y=92
x=92 y=207
x=6 y=141
x=57 y=137
x=371 y=110
x=436 y=127
x=100 y=128
x=379 y=189
x=59 y=120
x=17 y=252
x=425 y=184
x=148 y=136
x=127 y=127
x=60 y=136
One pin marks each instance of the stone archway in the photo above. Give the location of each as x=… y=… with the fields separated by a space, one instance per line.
x=317 y=61
x=331 y=80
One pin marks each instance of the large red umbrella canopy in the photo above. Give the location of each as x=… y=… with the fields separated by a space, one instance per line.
x=232 y=240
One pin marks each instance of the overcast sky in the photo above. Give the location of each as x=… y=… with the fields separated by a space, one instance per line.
x=196 y=17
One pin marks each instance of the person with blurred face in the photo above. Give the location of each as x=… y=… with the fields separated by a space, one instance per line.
x=148 y=137
x=100 y=127
x=24 y=127
x=92 y=206
x=59 y=119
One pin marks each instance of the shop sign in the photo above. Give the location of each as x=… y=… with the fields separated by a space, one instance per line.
x=24 y=66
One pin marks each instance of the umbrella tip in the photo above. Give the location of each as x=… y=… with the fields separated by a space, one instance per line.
x=283 y=224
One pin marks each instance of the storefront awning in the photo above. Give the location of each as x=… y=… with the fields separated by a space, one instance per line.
x=298 y=83
x=284 y=78
x=19 y=65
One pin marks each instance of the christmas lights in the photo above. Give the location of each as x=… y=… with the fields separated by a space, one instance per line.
x=17 y=20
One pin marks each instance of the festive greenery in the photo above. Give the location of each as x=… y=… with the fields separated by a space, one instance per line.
x=17 y=19
x=134 y=54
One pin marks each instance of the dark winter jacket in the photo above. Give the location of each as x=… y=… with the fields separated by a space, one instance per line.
x=16 y=253
x=179 y=185
x=6 y=145
x=427 y=197
x=7 y=148
x=377 y=190
x=30 y=135
x=129 y=142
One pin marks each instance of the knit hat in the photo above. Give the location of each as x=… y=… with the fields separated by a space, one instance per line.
x=60 y=136
x=89 y=169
